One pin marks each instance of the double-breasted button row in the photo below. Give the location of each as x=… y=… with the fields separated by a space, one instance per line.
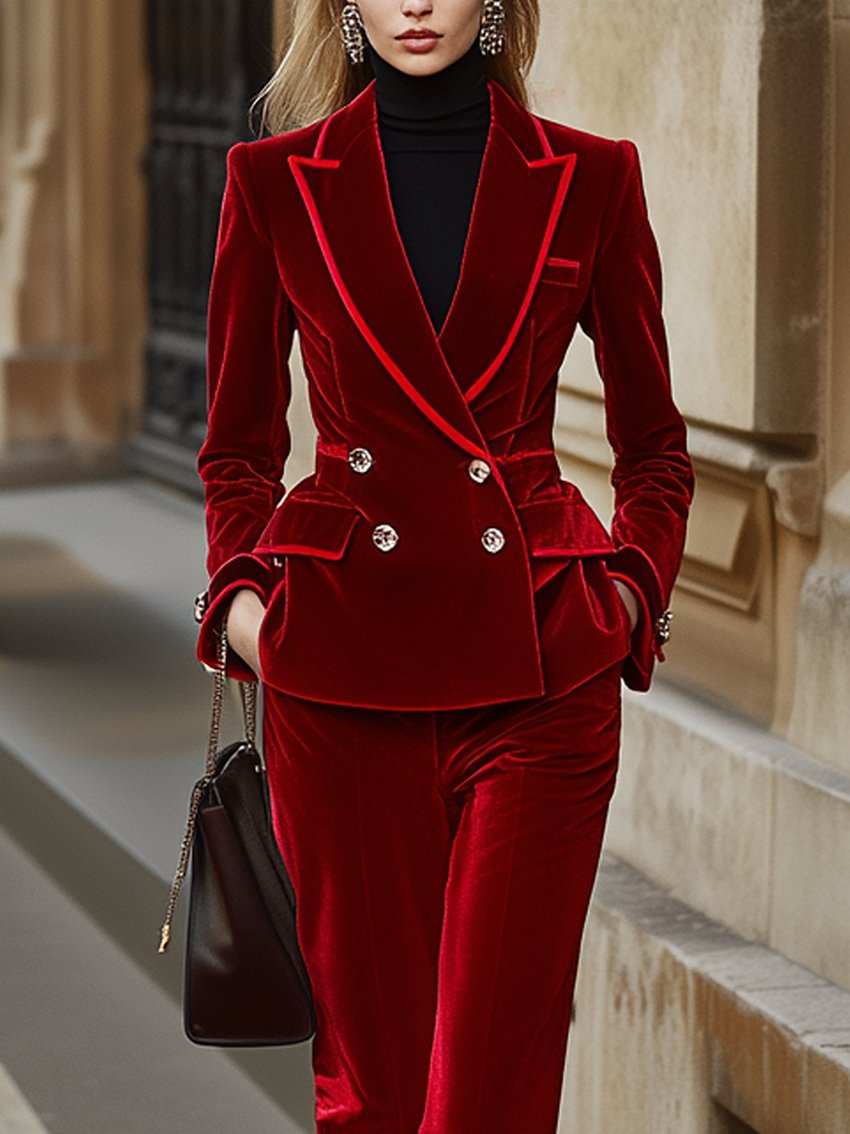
x=492 y=539
x=385 y=537
x=361 y=461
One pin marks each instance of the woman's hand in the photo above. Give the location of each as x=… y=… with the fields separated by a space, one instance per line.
x=242 y=620
x=629 y=601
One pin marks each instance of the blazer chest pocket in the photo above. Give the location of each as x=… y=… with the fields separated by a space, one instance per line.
x=309 y=525
x=556 y=270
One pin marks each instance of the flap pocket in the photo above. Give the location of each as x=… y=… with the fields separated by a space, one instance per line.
x=309 y=526
x=563 y=526
x=559 y=271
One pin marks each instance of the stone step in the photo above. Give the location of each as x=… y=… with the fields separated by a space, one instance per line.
x=702 y=1031
x=738 y=823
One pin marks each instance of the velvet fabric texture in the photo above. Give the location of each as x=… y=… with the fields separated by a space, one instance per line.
x=559 y=236
x=443 y=864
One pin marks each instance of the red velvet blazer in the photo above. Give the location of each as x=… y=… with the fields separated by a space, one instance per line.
x=436 y=558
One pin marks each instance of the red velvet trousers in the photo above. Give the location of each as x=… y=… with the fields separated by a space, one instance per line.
x=443 y=863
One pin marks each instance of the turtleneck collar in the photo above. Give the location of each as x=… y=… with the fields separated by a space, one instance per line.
x=456 y=94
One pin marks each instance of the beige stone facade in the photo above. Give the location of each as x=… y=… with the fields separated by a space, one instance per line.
x=734 y=791
x=72 y=233
x=715 y=973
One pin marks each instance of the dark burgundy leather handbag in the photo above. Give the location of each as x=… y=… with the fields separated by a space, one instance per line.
x=245 y=983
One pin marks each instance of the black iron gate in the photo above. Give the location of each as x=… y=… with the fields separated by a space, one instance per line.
x=207 y=59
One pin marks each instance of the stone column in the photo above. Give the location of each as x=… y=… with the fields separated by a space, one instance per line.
x=72 y=233
x=820 y=721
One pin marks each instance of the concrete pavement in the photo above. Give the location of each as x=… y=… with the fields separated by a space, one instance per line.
x=88 y=1043
x=103 y=718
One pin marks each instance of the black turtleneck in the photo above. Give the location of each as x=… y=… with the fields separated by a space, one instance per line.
x=433 y=129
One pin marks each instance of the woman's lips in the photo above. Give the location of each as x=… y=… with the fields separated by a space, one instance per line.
x=419 y=41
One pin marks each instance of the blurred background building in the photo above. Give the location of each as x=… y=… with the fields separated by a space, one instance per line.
x=714 y=993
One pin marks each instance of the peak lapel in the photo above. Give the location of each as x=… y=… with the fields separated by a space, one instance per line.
x=344 y=188
x=347 y=198
x=516 y=209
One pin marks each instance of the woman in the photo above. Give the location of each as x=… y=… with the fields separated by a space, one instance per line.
x=440 y=621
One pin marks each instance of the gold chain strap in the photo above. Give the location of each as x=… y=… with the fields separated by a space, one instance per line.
x=248 y=692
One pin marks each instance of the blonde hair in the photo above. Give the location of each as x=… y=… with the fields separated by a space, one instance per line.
x=314 y=77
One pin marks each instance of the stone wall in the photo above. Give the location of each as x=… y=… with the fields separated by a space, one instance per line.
x=728 y=105
x=734 y=789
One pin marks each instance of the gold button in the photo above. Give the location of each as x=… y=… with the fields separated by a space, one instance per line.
x=493 y=540
x=360 y=460
x=662 y=627
x=479 y=470
x=384 y=537
x=202 y=601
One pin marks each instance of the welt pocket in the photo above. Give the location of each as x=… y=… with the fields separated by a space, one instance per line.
x=309 y=526
x=557 y=270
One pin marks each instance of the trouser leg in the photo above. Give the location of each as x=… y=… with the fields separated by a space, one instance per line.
x=535 y=784
x=364 y=833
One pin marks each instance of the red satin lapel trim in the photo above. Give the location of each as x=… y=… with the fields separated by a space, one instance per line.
x=296 y=162
x=568 y=163
x=541 y=134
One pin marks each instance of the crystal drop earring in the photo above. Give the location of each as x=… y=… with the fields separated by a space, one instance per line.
x=491 y=37
x=351 y=26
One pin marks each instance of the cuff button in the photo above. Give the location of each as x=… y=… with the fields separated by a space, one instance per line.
x=662 y=627
x=202 y=602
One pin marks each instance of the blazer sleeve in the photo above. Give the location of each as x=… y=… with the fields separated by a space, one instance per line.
x=241 y=462
x=652 y=474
